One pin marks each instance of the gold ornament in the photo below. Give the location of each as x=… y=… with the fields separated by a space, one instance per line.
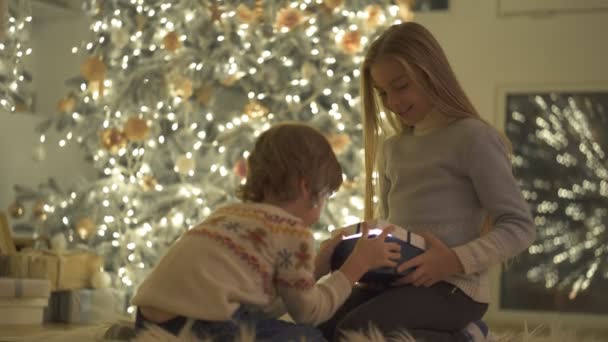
x=247 y=15
x=38 y=210
x=259 y=9
x=338 y=142
x=255 y=109
x=66 y=104
x=16 y=209
x=184 y=165
x=96 y=87
x=85 y=227
x=93 y=69
x=288 y=17
x=351 y=42
x=181 y=87
x=230 y=80
x=332 y=4
x=405 y=9
x=136 y=129
x=374 y=16
x=171 y=41
x=216 y=12
x=203 y=94
x=148 y=182
x=113 y=139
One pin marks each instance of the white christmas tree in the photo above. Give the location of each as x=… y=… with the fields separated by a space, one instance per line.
x=15 y=19
x=171 y=97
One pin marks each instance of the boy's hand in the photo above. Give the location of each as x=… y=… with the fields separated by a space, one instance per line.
x=323 y=259
x=437 y=263
x=371 y=253
x=376 y=252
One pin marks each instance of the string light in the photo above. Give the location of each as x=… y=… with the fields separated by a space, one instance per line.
x=560 y=158
x=165 y=117
x=15 y=92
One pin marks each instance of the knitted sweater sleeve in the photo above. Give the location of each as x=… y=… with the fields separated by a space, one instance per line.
x=489 y=169
x=307 y=302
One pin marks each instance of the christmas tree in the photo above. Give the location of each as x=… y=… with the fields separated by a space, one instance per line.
x=559 y=157
x=15 y=20
x=170 y=98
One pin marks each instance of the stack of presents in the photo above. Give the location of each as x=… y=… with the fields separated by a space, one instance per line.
x=46 y=286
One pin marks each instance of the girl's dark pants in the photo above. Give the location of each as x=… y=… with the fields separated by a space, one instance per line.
x=437 y=313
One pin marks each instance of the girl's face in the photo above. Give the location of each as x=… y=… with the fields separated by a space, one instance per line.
x=398 y=91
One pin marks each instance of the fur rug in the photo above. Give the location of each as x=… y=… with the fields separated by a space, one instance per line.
x=123 y=332
x=554 y=334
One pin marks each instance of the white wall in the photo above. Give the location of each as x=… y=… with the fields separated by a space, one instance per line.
x=51 y=64
x=488 y=52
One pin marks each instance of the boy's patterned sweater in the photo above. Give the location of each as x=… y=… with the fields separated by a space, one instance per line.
x=249 y=254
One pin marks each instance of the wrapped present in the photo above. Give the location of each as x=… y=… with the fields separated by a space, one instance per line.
x=24 y=310
x=22 y=301
x=7 y=245
x=86 y=306
x=67 y=270
x=20 y=288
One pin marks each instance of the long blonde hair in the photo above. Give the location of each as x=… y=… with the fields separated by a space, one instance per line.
x=423 y=59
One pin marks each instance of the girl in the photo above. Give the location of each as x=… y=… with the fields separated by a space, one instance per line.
x=444 y=173
x=248 y=263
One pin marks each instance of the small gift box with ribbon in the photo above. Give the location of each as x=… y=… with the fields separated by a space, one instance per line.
x=22 y=301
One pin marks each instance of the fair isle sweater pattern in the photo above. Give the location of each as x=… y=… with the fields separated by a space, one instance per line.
x=244 y=254
x=253 y=240
x=249 y=259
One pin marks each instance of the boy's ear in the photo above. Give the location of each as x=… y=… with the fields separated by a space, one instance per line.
x=304 y=188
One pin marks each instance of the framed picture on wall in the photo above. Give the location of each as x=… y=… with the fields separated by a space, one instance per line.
x=559 y=137
x=430 y=5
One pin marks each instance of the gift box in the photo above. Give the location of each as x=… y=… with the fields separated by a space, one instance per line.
x=411 y=245
x=66 y=270
x=86 y=306
x=7 y=245
x=22 y=301
x=24 y=310
x=18 y=288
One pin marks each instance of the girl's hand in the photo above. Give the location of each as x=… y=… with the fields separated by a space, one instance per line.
x=370 y=253
x=323 y=259
x=437 y=263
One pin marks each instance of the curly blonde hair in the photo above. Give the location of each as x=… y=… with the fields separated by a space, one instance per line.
x=285 y=154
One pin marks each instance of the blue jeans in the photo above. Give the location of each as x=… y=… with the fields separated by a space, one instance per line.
x=265 y=330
